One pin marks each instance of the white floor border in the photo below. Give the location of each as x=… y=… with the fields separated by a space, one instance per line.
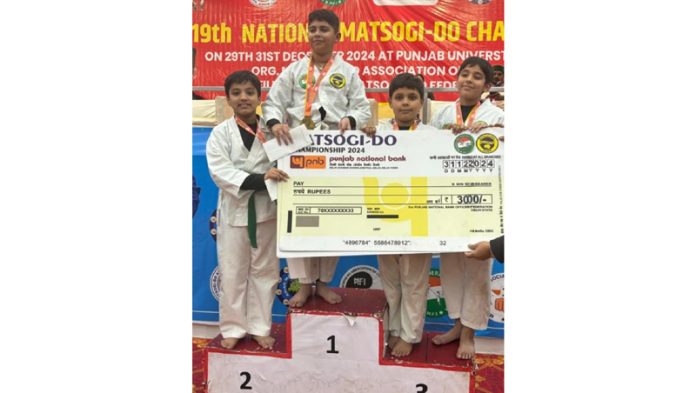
x=486 y=345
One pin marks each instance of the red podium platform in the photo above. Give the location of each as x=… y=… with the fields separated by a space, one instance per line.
x=335 y=348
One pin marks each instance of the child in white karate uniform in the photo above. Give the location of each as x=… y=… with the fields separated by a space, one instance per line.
x=320 y=91
x=405 y=277
x=246 y=226
x=466 y=282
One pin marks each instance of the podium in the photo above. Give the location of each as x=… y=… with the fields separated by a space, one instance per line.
x=335 y=348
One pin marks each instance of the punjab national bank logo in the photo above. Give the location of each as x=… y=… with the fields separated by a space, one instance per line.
x=308 y=162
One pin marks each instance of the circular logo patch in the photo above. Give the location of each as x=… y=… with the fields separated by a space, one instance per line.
x=303 y=81
x=361 y=276
x=464 y=143
x=497 y=306
x=215 y=288
x=487 y=143
x=436 y=306
x=337 y=80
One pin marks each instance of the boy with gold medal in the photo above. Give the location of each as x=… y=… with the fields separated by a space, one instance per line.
x=334 y=100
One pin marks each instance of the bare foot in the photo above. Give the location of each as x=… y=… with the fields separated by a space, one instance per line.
x=452 y=335
x=392 y=341
x=301 y=296
x=229 y=342
x=466 y=344
x=328 y=295
x=402 y=348
x=265 y=342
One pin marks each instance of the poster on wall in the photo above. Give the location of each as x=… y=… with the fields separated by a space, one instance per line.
x=382 y=38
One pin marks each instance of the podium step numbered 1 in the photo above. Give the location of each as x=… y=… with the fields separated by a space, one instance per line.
x=335 y=348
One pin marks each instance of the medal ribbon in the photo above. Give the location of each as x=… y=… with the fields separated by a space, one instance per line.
x=395 y=124
x=312 y=90
x=248 y=129
x=470 y=117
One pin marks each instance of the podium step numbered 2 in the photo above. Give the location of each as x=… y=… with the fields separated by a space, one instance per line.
x=335 y=348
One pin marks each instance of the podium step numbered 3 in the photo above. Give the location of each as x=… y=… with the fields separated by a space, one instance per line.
x=335 y=348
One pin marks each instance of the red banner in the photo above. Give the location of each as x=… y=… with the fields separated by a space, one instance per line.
x=382 y=38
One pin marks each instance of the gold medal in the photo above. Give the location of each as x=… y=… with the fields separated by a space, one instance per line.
x=308 y=122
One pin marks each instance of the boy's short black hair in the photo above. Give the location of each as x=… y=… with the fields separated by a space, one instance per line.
x=483 y=64
x=239 y=77
x=408 y=81
x=327 y=16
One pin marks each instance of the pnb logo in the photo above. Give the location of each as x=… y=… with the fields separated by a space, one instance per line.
x=464 y=143
x=395 y=201
x=308 y=162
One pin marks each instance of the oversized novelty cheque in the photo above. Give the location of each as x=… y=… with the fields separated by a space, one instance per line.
x=398 y=192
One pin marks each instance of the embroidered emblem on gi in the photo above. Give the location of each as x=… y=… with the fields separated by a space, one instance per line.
x=215 y=284
x=479 y=122
x=464 y=143
x=337 y=80
x=303 y=81
x=487 y=143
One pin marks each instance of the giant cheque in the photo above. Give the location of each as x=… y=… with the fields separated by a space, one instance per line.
x=398 y=192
